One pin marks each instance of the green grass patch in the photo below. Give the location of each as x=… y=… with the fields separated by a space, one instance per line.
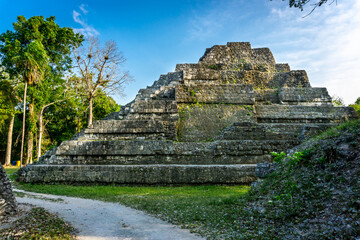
x=209 y=210
x=10 y=172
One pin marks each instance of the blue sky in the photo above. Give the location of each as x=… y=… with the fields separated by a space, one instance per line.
x=156 y=35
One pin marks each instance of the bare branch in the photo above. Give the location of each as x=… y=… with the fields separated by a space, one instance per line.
x=100 y=68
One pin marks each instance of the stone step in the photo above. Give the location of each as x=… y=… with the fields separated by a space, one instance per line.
x=140 y=174
x=198 y=159
x=168 y=117
x=302 y=131
x=122 y=136
x=145 y=93
x=302 y=114
x=125 y=126
x=219 y=93
x=168 y=152
x=296 y=127
x=155 y=106
x=170 y=79
x=293 y=96
x=304 y=96
x=267 y=96
x=253 y=131
x=125 y=110
x=251 y=147
x=165 y=92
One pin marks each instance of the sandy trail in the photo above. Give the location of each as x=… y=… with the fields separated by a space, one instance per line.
x=97 y=220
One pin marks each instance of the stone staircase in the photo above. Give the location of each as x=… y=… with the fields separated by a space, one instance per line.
x=205 y=123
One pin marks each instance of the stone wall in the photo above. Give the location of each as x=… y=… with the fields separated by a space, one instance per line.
x=203 y=122
x=141 y=174
x=8 y=204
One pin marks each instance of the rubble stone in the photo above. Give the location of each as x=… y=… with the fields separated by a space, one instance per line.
x=8 y=204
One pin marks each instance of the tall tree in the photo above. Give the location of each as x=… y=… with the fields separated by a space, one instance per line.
x=35 y=47
x=61 y=91
x=100 y=68
x=8 y=101
x=51 y=91
x=34 y=61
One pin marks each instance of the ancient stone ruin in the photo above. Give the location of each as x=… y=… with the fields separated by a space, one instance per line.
x=209 y=122
x=8 y=204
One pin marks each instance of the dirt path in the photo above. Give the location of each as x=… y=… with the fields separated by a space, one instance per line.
x=101 y=220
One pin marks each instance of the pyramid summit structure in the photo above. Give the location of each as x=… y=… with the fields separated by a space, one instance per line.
x=204 y=123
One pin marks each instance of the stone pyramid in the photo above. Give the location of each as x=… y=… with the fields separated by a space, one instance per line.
x=209 y=122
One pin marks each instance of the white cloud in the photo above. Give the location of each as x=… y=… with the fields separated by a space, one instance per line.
x=82 y=8
x=215 y=19
x=76 y=17
x=85 y=29
x=326 y=44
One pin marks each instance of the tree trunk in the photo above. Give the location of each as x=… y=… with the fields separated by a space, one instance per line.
x=30 y=144
x=41 y=129
x=23 y=127
x=78 y=125
x=90 y=111
x=9 y=141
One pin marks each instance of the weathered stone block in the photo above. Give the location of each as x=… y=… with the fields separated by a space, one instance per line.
x=222 y=93
x=155 y=106
x=304 y=96
x=203 y=122
x=235 y=51
x=302 y=114
x=126 y=126
x=295 y=78
x=267 y=96
x=252 y=131
x=282 y=67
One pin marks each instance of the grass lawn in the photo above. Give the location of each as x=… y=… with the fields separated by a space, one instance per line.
x=209 y=210
x=11 y=170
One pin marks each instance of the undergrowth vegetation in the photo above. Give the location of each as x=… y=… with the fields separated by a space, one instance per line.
x=38 y=224
x=313 y=193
